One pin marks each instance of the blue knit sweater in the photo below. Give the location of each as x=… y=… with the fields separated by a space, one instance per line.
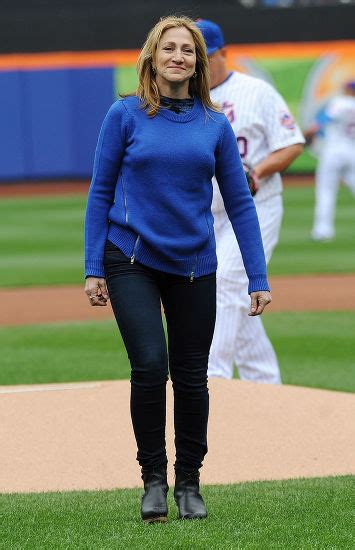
x=151 y=192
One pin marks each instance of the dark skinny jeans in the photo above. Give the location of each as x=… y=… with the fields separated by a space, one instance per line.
x=136 y=293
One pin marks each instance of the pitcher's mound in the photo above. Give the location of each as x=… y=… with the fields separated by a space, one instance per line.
x=79 y=436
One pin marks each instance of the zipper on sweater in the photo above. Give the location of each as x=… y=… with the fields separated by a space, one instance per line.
x=133 y=257
x=208 y=226
x=192 y=274
x=124 y=198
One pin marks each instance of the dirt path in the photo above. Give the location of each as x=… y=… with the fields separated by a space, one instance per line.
x=27 y=189
x=69 y=303
x=79 y=436
x=42 y=188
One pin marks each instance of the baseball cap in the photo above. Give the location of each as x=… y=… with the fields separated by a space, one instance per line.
x=212 y=34
x=350 y=84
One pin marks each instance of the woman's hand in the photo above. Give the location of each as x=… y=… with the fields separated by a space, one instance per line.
x=259 y=300
x=96 y=291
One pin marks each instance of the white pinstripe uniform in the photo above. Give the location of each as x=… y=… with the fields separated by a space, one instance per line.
x=336 y=163
x=262 y=124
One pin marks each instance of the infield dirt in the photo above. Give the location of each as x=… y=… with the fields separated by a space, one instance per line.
x=79 y=436
x=69 y=303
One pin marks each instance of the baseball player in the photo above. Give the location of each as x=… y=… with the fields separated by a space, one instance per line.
x=268 y=140
x=336 y=161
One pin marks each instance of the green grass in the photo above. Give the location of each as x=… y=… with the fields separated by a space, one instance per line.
x=63 y=352
x=295 y=514
x=296 y=253
x=41 y=239
x=314 y=349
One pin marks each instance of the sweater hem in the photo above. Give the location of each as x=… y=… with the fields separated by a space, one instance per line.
x=126 y=240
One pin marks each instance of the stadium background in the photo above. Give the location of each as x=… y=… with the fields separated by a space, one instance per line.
x=67 y=61
x=61 y=66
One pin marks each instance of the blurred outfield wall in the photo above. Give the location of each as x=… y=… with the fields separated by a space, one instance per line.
x=52 y=104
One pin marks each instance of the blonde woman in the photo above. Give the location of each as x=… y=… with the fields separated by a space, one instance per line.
x=149 y=240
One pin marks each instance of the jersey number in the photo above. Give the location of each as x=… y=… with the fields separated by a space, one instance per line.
x=242 y=146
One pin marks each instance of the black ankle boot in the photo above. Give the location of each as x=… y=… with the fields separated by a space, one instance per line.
x=154 y=506
x=187 y=495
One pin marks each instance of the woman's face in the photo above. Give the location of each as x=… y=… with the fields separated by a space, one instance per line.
x=175 y=57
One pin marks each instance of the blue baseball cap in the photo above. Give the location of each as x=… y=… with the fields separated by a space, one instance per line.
x=212 y=34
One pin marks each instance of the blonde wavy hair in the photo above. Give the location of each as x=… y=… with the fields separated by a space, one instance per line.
x=199 y=86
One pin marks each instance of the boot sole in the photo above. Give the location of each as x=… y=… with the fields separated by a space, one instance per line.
x=192 y=518
x=158 y=519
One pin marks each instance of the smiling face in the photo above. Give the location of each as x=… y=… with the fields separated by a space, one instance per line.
x=175 y=60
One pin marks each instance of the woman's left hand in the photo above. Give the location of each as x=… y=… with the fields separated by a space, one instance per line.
x=259 y=300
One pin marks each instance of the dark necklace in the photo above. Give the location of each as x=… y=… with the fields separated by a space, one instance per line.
x=177 y=105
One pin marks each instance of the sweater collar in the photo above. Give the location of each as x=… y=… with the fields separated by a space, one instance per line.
x=183 y=117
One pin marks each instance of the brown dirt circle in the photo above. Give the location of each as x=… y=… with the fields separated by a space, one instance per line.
x=79 y=436
x=69 y=303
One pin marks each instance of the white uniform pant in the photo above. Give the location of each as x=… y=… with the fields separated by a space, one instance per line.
x=239 y=338
x=335 y=165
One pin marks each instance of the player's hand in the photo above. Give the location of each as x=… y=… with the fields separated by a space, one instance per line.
x=258 y=301
x=309 y=138
x=310 y=134
x=96 y=291
x=252 y=179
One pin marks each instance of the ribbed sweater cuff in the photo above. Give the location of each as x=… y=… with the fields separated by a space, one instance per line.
x=258 y=282
x=94 y=268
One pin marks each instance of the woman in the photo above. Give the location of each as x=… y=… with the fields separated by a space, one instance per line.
x=149 y=237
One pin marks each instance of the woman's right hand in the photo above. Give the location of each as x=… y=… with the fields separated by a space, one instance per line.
x=96 y=291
